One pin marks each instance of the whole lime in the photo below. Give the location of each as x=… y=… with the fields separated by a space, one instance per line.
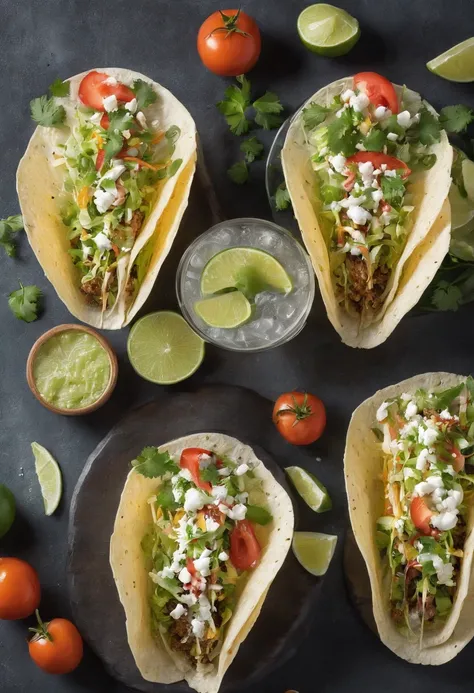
x=7 y=509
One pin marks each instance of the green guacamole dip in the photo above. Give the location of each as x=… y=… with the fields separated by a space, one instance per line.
x=71 y=370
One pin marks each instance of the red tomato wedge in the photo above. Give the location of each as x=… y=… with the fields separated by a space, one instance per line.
x=92 y=90
x=377 y=159
x=190 y=460
x=99 y=162
x=380 y=90
x=105 y=121
x=244 y=547
x=190 y=566
x=421 y=515
x=457 y=458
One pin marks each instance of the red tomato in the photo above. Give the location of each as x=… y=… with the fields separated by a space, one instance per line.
x=299 y=417
x=229 y=43
x=92 y=90
x=458 y=459
x=20 y=590
x=105 y=121
x=377 y=159
x=99 y=162
x=244 y=547
x=190 y=460
x=190 y=566
x=421 y=515
x=56 y=646
x=380 y=90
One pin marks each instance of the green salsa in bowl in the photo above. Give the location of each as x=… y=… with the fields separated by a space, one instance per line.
x=72 y=370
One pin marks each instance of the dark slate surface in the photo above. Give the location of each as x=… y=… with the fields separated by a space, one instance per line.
x=42 y=39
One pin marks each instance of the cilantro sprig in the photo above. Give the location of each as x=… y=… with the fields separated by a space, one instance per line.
x=24 y=302
x=314 y=115
x=8 y=227
x=234 y=105
x=456 y=118
x=268 y=108
x=144 y=94
x=45 y=111
x=151 y=463
x=282 y=198
x=238 y=172
x=252 y=148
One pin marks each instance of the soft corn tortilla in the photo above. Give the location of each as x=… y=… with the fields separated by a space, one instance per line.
x=40 y=190
x=365 y=493
x=429 y=190
x=133 y=583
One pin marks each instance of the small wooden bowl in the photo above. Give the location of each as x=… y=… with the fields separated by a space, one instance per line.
x=113 y=370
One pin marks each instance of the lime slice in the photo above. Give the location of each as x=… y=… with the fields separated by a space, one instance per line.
x=314 y=550
x=249 y=269
x=163 y=348
x=226 y=310
x=310 y=489
x=468 y=177
x=7 y=509
x=457 y=64
x=49 y=477
x=327 y=30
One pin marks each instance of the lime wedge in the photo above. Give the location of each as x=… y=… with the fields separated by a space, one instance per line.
x=314 y=550
x=49 y=477
x=249 y=269
x=468 y=177
x=327 y=30
x=310 y=489
x=163 y=348
x=226 y=310
x=457 y=64
x=7 y=509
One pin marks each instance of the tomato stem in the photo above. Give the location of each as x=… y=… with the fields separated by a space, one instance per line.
x=301 y=411
x=42 y=630
x=230 y=25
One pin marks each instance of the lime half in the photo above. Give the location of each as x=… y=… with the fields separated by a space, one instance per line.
x=226 y=310
x=457 y=64
x=314 y=550
x=310 y=489
x=7 y=509
x=163 y=348
x=249 y=269
x=327 y=30
x=49 y=477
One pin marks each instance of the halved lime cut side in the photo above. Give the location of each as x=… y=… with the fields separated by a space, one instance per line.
x=327 y=30
x=49 y=477
x=456 y=64
x=226 y=310
x=311 y=490
x=314 y=551
x=163 y=348
x=248 y=269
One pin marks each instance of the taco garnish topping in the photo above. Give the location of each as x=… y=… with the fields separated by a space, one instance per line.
x=426 y=439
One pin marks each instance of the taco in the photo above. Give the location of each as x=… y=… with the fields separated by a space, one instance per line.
x=201 y=531
x=368 y=170
x=103 y=186
x=411 y=505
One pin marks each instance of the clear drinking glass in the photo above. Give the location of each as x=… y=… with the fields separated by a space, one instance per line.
x=276 y=318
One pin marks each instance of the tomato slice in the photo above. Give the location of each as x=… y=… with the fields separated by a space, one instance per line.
x=92 y=90
x=377 y=159
x=190 y=460
x=244 y=547
x=105 y=121
x=99 y=162
x=421 y=514
x=380 y=90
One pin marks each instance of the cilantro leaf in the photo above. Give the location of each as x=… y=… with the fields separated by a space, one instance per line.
x=375 y=140
x=120 y=120
x=235 y=103
x=282 y=198
x=267 y=107
x=151 y=463
x=59 y=88
x=341 y=138
x=165 y=498
x=113 y=145
x=144 y=94
x=393 y=189
x=455 y=118
x=24 y=302
x=257 y=514
x=446 y=296
x=8 y=227
x=46 y=112
x=314 y=115
x=238 y=172
x=210 y=474
x=428 y=129
x=252 y=148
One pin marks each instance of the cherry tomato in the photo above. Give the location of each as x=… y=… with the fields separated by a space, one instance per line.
x=244 y=547
x=229 y=43
x=92 y=90
x=57 y=646
x=20 y=590
x=190 y=460
x=299 y=417
x=380 y=90
x=421 y=514
x=377 y=159
x=105 y=121
x=99 y=162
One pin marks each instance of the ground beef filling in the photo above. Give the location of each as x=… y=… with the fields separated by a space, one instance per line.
x=361 y=296
x=181 y=638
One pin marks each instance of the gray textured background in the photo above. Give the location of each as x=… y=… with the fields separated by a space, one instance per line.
x=43 y=39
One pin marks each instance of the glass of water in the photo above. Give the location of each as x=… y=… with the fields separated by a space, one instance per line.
x=276 y=318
